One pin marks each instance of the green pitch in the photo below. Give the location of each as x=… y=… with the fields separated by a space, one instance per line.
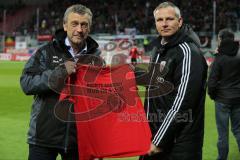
x=15 y=112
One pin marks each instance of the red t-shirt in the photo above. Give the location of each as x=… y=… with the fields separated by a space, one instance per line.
x=109 y=114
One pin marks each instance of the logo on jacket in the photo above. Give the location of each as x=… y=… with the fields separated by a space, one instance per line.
x=56 y=59
x=162 y=65
x=160 y=79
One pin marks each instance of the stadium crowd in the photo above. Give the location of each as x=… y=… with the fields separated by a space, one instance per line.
x=113 y=17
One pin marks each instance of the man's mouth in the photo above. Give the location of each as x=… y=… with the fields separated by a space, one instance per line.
x=78 y=36
x=166 y=30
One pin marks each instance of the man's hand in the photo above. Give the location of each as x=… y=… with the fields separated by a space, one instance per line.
x=70 y=67
x=153 y=150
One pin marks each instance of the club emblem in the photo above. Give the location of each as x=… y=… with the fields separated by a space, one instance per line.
x=162 y=65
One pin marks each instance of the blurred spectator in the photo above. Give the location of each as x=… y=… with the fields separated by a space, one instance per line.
x=224 y=89
x=134 y=53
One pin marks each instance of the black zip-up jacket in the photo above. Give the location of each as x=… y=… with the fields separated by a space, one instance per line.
x=224 y=78
x=43 y=69
x=176 y=93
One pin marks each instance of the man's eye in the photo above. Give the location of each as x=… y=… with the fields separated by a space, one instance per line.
x=170 y=19
x=74 y=24
x=84 y=25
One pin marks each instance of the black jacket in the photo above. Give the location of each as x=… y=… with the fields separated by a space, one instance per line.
x=43 y=69
x=175 y=97
x=224 y=78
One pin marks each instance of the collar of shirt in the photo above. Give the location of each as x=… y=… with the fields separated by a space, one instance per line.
x=67 y=43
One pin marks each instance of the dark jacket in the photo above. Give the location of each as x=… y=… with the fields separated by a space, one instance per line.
x=175 y=99
x=224 y=78
x=43 y=69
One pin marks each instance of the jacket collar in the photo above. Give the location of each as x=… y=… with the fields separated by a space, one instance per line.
x=61 y=35
x=184 y=34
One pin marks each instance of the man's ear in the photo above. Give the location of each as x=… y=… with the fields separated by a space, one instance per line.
x=65 y=26
x=180 y=20
x=89 y=27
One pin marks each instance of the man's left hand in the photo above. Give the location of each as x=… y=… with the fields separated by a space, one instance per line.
x=153 y=150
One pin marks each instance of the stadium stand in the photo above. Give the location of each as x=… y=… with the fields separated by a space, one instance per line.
x=111 y=16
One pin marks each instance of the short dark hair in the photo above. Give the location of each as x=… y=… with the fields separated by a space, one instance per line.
x=226 y=34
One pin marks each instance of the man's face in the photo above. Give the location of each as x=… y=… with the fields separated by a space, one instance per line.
x=166 y=21
x=77 y=27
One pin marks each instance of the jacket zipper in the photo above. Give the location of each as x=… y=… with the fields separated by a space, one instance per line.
x=67 y=133
x=150 y=85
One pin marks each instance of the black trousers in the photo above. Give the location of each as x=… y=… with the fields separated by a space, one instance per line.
x=180 y=151
x=46 y=153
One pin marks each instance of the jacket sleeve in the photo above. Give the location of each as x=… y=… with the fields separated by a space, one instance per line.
x=189 y=75
x=213 y=78
x=37 y=75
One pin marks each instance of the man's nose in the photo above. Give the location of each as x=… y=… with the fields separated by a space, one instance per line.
x=79 y=28
x=164 y=23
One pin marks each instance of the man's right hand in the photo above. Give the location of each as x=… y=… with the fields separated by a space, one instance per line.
x=70 y=67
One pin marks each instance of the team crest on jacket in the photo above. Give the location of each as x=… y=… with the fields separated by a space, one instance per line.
x=162 y=65
x=56 y=59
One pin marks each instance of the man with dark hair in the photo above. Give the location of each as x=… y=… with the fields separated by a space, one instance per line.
x=224 y=34
x=179 y=127
x=224 y=89
x=49 y=136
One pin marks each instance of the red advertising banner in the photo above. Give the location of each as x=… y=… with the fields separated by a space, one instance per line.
x=44 y=37
x=20 y=57
x=5 y=57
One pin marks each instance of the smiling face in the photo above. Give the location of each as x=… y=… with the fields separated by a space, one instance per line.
x=167 y=22
x=77 y=27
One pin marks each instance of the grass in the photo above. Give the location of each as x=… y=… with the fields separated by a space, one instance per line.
x=15 y=111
